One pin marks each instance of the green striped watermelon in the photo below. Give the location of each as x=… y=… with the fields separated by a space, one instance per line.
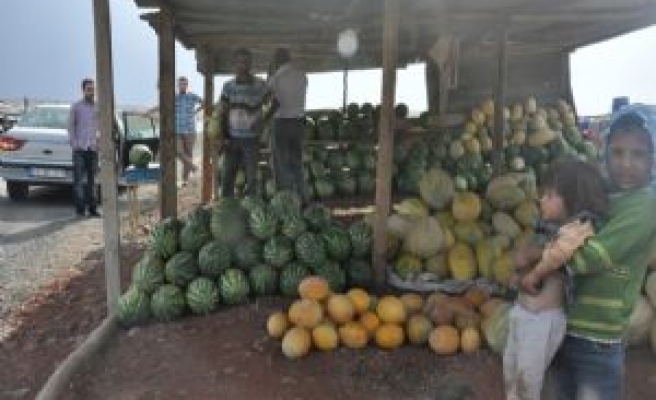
x=361 y=238
x=247 y=253
x=264 y=280
x=333 y=274
x=148 y=274
x=202 y=296
x=337 y=242
x=317 y=216
x=168 y=303
x=181 y=269
x=234 y=287
x=291 y=275
x=263 y=223
x=278 y=251
x=293 y=226
x=164 y=238
x=310 y=249
x=133 y=307
x=359 y=273
x=285 y=203
x=214 y=258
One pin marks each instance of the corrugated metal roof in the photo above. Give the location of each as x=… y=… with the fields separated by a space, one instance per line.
x=310 y=27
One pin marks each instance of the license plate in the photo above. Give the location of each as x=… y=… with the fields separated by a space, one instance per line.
x=48 y=173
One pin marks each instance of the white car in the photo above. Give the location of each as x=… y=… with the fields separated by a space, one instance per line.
x=36 y=151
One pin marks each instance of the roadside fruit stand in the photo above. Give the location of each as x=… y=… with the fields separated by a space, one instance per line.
x=426 y=267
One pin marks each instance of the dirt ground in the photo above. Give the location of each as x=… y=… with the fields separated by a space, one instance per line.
x=227 y=355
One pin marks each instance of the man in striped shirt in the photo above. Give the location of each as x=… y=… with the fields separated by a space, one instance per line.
x=609 y=269
x=242 y=99
x=83 y=135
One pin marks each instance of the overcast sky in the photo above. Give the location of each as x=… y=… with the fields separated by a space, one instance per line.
x=48 y=56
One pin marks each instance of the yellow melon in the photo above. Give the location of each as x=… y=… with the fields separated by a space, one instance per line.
x=353 y=335
x=296 y=343
x=418 y=329
x=467 y=319
x=390 y=309
x=324 y=336
x=340 y=309
x=462 y=262
x=444 y=340
x=470 y=340
x=466 y=206
x=370 y=322
x=360 y=299
x=305 y=313
x=389 y=336
x=277 y=324
x=413 y=302
x=489 y=306
x=314 y=288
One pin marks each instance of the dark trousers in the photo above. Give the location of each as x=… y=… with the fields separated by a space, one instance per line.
x=287 y=155
x=85 y=164
x=239 y=152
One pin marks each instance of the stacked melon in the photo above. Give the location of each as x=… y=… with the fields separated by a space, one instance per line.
x=460 y=235
x=324 y=320
x=240 y=249
x=534 y=136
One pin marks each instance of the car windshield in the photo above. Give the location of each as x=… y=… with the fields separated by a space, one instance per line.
x=140 y=127
x=45 y=117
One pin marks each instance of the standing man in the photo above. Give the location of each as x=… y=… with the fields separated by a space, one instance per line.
x=83 y=137
x=288 y=86
x=185 y=126
x=241 y=104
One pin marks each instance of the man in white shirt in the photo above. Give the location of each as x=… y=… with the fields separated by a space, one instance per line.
x=288 y=86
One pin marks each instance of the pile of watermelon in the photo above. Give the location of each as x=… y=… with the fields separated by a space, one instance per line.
x=240 y=249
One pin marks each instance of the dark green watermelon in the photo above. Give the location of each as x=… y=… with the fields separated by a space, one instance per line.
x=168 y=303
x=181 y=269
x=148 y=274
x=264 y=280
x=133 y=307
x=361 y=238
x=247 y=253
x=293 y=226
x=214 y=258
x=337 y=243
x=202 y=296
x=291 y=275
x=333 y=274
x=310 y=249
x=164 y=238
x=263 y=223
x=317 y=216
x=286 y=203
x=278 y=251
x=234 y=287
x=359 y=273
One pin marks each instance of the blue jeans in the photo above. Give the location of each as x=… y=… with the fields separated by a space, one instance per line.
x=85 y=164
x=287 y=154
x=587 y=370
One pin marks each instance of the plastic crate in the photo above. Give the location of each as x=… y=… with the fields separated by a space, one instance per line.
x=142 y=175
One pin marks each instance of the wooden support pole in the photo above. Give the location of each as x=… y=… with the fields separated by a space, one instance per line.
x=105 y=106
x=392 y=11
x=206 y=166
x=168 y=181
x=500 y=100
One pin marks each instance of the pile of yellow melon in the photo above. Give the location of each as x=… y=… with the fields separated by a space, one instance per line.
x=324 y=320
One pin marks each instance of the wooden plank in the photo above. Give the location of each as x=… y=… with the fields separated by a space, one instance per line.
x=206 y=166
x=105 y=106
x=500 y=100
x=168 y=181
x=392 y=13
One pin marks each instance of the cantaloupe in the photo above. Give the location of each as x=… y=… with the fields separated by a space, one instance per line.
x=466 y=206
x=470 y=340
x=391 y=310
x=370 y=322
x=314 y=288
x=296 y=343
x=305 y=313
x=277 y=324
x=444 y=340
x=389 y=336
x=353 y=335
x=339 y=308
x=360 y=299
x=413 y=302
x=325 y=337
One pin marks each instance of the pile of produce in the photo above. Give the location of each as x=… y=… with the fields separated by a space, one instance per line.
x=240 y=249
x=534 y=136
x=356 y=123
x=324 y=320
x=459 y=235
